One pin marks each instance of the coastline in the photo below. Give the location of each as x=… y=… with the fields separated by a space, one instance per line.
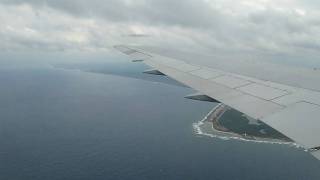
x=209 y=126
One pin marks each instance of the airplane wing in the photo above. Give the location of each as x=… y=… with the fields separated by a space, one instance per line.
x=291 y=109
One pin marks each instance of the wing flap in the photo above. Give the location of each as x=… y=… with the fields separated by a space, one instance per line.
x=231 y=81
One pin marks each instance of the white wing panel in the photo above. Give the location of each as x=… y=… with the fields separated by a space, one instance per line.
x=264 y=92
x=299 y=122
x=206 y=74
x=280 y=86
x=301 y=95
x=230 y=81
x=169 y=61
x=187 y=67
x=255 y=107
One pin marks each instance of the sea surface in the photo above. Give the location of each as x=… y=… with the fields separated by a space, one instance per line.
x=76 y=116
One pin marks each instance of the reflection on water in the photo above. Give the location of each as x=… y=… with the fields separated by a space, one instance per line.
x=69 y=124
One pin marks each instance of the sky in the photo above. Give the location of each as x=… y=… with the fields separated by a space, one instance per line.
x=285 y=27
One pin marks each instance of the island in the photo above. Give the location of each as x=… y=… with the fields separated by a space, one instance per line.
x=225 y=122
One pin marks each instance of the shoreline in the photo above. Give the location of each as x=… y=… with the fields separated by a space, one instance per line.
x=209 y=126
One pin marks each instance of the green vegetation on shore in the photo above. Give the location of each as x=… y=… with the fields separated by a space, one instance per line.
x=237 y=122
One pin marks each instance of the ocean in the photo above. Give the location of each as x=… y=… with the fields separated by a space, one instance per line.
x=98 y=117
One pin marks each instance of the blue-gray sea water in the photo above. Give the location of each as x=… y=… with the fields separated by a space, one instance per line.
x=98 y=117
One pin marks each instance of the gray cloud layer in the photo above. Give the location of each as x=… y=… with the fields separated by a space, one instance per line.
x=177 y=12
x=248 y=26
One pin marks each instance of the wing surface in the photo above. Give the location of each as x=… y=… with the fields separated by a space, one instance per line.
x=293 y=111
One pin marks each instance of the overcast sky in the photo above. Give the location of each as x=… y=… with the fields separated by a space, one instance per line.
x=288 y=27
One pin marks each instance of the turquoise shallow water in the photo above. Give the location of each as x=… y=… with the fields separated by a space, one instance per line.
x=69 y=124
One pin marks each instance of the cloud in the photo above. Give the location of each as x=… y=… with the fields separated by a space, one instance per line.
x=287 y=27
x=177 y=12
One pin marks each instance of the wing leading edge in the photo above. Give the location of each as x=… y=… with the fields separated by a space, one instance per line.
x=291 y=110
